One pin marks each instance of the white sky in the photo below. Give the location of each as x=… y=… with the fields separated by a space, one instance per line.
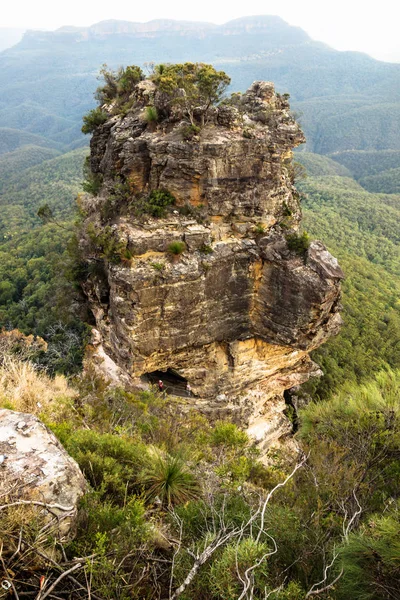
x=363 y=25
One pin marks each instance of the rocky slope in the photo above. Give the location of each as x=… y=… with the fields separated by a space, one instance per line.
x=237 y=313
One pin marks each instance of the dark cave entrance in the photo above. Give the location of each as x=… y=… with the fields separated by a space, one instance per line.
x=291 y=411
x=174 y=383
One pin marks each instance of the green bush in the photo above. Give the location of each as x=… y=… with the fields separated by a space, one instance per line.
x=158 y=266
x=118 y=84
x=371 y=561
x=158 y=201
x=206 y=249
x=189 y=132
x=110 y=463
x=92 y=184
x=298 y=243
x=128 y=78
x=176 y=248
x=107 y=243
x=227 y=571
x=228 y=434
x=93 y=119
x=151 y=114
x=97 y=515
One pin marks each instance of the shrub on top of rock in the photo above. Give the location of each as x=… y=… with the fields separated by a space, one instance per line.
x=298 y=243
x=93 y=119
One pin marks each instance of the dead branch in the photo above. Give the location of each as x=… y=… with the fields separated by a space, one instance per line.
x=223 y=536
x=272 y=492
x=202 y=558
x=37 y=503
x=57 y=581
x=324 y=589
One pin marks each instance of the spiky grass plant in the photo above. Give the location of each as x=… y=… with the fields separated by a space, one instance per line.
x=170 y=479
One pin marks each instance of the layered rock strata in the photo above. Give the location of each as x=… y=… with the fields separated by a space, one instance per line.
x=238 y=312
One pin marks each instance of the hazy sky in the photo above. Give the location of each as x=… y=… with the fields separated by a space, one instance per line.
x=370 y=27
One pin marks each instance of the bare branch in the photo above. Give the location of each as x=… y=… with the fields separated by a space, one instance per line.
x=203 y=558
x=324 y=589
x=36 y=503
x=272 y=492
x=349 y=525
x=313 y=591
x=57 y=581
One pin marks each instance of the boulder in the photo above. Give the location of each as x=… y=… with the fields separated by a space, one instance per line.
x=36 y=470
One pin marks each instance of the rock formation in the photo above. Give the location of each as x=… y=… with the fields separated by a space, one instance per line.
x=35 y=467
x=238 y=312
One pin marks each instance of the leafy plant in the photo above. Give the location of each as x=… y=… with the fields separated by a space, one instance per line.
x=176 y=248
x=107 y=243
x=170 y=479
x=371 y=560
x=93 y=119
x=259 y=228
x=206 y=249
x=92 y=184
x=228 y=434
x=189 y=132
x=298 y=243
x=227 y=571
x=203 y=86
x=151 y=114
x=158 y=266
x=110 y=463
x=158 y=201
x=118 y=84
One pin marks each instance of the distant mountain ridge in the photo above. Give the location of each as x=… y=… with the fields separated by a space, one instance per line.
x=347 y=100
x=259 y=24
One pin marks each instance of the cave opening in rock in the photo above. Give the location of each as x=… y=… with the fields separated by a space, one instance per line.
x=174 y=383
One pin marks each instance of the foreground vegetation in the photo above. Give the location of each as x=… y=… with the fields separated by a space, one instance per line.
x=180 y=508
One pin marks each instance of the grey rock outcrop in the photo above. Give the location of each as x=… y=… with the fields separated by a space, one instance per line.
x=35 y=467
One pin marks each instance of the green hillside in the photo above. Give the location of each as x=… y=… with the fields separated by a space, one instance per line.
x=361 y=229
x=11 y=139
x=36 y=295
x=387 y=182
x=12 y=163
x=56 y=182
x=317 y=165
x=367 y=163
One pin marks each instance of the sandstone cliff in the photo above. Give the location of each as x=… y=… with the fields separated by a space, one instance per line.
x=237 y=313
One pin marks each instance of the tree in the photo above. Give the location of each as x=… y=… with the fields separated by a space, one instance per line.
x=194 y=86
x=46 y=215
x=118 y=84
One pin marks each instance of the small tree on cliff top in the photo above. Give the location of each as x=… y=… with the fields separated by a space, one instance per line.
x=192 y=85
x=118 y=84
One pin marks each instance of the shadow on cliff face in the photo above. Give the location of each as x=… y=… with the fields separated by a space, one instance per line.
x=173 y=383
